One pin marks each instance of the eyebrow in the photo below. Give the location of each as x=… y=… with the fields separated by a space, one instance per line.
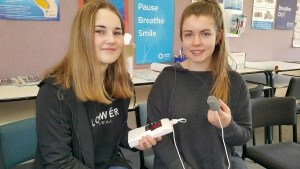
x=189 y=31
x=102 y=26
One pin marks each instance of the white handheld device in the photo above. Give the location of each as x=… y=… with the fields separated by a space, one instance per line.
x=155 y=129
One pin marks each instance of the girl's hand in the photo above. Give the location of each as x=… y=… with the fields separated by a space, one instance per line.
x=147 y=142
x=224 y=114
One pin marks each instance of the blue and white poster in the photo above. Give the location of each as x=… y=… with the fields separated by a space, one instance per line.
x=233 y=4
x=285 y=15
x=263 y=14
x=154 y=27
x=30 y=10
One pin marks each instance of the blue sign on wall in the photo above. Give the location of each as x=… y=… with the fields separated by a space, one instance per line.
x=30 y=10
x=120 y=7
x=286 y=13
x=154 y=27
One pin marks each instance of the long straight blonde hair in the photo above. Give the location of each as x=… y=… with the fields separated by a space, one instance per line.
x=79 y=69
x=219 y=62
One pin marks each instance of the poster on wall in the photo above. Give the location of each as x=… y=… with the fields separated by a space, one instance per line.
x=235 y=21
x=237 y=25
x=233 y=5
x=121 y=5
x=154 y=27
x=285 y=14
x=263 y=14
x=46 y=10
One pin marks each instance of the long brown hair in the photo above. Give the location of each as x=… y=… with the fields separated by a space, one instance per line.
x=219 y=62
x=79 y=68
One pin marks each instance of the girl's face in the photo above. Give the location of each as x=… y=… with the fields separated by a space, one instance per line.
x=199 y=38
x=109 y=39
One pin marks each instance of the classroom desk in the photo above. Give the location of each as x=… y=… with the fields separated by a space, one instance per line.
x=140 y=77
x=274 y=66
x=147 y=77
x=144 y=77
x=249 y=70
x=16 y=93
x=267 y=76
x=279 y=80
x=246 y=71
x=271 y=65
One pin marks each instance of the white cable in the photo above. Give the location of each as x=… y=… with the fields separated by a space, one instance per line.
x=177 y=148
x=223 y=140
x=181 y=120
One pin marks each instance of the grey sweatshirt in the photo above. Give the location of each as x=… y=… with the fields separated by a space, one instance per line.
x=180 y=93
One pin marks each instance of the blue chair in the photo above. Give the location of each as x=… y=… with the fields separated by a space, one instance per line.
x=18 y=143
x=146 y=156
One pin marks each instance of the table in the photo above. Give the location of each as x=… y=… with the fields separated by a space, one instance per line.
x=147 y=77
x=16 y=93
x=144 y=77
x=268 y=76
x=279 y=80
x=273 y=66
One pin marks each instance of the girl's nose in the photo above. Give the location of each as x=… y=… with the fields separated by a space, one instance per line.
x=110 y=38
x=197 y=40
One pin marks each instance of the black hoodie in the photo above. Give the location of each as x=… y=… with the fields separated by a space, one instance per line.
x=65 y=139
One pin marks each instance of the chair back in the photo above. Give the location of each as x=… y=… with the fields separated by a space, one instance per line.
x=269 y=111
x=257 y=91
x=294 y=88
x=141 y=114
x=17 y=142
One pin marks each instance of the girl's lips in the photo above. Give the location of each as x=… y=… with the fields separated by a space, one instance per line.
x=109 y=49
x=197 y=52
